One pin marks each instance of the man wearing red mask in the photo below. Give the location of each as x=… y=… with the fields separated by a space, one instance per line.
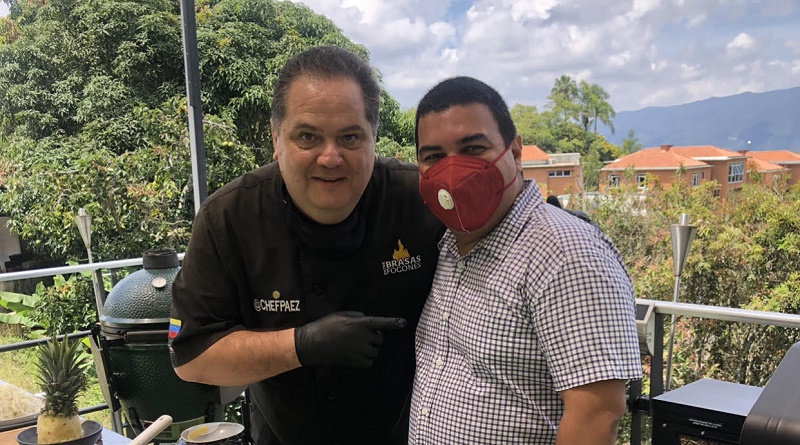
x=528 y=334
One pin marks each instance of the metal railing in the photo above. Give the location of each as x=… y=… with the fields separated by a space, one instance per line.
x=53 y=271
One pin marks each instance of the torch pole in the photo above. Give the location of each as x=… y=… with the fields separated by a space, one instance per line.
x=682 y=235
x=675 y=293
x=84 y=223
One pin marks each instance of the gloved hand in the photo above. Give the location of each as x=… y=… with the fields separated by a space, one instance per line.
x=343 y=339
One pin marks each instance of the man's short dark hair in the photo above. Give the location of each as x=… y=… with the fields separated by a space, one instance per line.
x=327 y=62
x=464 y=90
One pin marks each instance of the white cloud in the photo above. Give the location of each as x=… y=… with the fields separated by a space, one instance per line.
x=739 y=69
x=658 y=66
x=619 y=59
x=644 y=52
x=443 y=31
x=690 y=72
x=696 y=21
x=742 y=44
x=532 y=9
x=450 y=55
x=641 y=8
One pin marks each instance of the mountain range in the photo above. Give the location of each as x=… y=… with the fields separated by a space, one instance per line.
x=746 y=121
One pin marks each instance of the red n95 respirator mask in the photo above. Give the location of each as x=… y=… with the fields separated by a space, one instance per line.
x=463 y=191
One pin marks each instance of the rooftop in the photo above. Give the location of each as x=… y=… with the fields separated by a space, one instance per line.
x=654 y=158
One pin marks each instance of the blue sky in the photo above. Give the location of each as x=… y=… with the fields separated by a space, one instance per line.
x=644 y=52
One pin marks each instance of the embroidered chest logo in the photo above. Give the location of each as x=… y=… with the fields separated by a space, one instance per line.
x=401 y=261
x=276 y=304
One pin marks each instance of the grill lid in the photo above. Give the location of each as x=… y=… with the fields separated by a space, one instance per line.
x=143 y=298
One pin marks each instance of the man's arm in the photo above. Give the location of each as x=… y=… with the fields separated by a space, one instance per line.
x=591 y=413
x=242 y=358
x=245 y=357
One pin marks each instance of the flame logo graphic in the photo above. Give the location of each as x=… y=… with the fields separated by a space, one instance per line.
x=401 y=251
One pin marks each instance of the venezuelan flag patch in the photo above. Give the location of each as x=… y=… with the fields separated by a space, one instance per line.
x=174 y=327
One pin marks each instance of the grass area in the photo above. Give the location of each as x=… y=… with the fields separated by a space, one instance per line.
x=19 y=369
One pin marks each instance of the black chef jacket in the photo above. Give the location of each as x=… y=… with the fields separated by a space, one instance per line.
x=254 y=262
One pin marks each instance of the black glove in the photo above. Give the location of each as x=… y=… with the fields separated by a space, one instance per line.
x=343 y=339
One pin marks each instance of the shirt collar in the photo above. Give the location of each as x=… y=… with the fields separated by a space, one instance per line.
x=498 y=241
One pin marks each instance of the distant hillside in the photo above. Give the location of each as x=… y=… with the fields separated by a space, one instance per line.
x=770 y=121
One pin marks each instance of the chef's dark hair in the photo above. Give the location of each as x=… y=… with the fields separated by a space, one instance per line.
x=327 y=62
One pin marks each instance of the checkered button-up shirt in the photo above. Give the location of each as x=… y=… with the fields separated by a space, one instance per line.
x=542 y=304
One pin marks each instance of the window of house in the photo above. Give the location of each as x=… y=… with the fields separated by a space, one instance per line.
x=613 y=181
x=703 y=175
x=695 y=179
x=559 y=173
x=641 y=181
x=735 y=172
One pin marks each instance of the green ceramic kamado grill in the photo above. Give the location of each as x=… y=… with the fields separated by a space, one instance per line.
x=132 y=342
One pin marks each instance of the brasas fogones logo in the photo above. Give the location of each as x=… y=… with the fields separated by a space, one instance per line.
x=276 y=304
x=401 y=261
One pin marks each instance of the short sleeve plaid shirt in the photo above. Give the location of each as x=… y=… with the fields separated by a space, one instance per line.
x=542 y=304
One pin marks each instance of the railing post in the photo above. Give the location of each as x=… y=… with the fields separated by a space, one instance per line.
x=657 y=360
x=636 y=414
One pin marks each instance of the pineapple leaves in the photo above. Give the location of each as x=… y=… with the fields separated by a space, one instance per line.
x=62 y=375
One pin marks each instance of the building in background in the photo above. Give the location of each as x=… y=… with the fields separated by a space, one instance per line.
x=783 y=158
x=555 y=173
x=697 y=164
x=650 y=166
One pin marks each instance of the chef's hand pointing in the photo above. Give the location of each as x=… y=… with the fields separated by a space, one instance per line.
x=343 y=339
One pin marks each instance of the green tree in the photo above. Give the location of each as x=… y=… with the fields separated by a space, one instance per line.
x=564 y=98
x=533 y=126
x=92 y=112
x=630 y=144
x=594 y=106
x=395 y=124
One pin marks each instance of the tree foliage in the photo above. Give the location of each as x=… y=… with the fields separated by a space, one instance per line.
x=630 y=144
x=746 y=254
x=93 y=115
x=564 y=126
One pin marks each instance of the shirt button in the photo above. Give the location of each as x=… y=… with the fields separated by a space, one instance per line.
x=318 y=288
x=445 y=315
x=425 y=411
x=331 y=396
x=439 y=362
x=460 y=264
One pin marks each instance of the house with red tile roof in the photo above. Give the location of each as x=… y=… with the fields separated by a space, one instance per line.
x=698 y=163
x=656 y=165
x=784 y=158
x=555 y=173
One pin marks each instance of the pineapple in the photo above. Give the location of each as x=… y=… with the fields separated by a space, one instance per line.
x=62 y=375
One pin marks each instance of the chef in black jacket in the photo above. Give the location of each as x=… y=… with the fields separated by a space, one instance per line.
x=305 y=278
